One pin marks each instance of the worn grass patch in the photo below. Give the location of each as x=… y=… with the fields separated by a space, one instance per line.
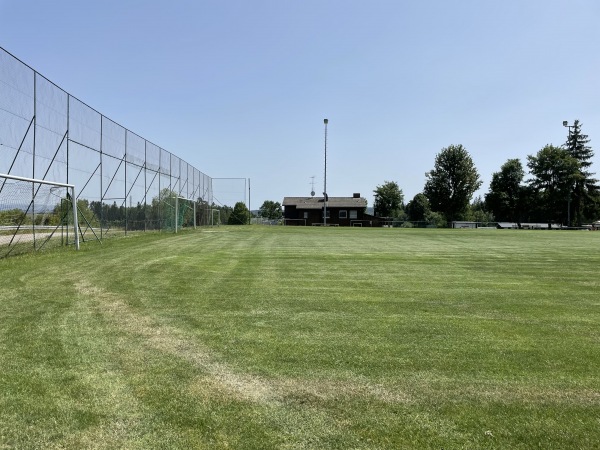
x=273 y=337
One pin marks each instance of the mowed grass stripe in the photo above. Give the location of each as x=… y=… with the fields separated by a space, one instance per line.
x=292 y=337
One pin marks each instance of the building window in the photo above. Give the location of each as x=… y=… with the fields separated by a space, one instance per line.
x=353 y=214
x=343 y=214
x=306 y=214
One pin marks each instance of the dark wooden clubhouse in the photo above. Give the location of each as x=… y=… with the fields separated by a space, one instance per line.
x=341 y=211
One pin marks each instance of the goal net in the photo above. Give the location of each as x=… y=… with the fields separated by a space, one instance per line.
x=35 y=214
x=177 y=212
x=185 y=210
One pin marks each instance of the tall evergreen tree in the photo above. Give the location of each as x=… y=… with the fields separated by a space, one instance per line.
x=584 y=193
x=554 y=171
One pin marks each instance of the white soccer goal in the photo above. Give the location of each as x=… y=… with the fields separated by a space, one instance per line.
x=183 y=208
x=35 y=214
x=212 y=217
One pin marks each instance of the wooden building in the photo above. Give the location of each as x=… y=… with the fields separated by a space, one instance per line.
x=341 y=211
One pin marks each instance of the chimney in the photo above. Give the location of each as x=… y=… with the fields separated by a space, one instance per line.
x=356 y=195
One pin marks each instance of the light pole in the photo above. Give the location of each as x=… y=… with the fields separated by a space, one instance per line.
x=325 y=121
x=566 y=124
x=249 y=209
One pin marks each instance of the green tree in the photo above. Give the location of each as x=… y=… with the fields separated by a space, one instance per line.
x=554 y=172
x=240 y=215
x=221 y=217
x=13 y=216
x=452 y=182
x=270 y=210
x=86 y=214
x=436 y=220
x=531 y=208
x=418 y=208
x=388 y=200
x=584 y=193
x=202 y=212
x=506 y=191
x=478 y=212
x=161 y=211
x=225 y=212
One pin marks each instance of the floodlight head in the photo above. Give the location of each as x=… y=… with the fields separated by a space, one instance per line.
x=565 y=123
x=325 y=121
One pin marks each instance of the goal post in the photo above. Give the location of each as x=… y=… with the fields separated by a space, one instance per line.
x=24 y=200
x=182 y=204
x=212 y=217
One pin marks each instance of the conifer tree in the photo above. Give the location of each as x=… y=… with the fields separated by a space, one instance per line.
x=584 y=193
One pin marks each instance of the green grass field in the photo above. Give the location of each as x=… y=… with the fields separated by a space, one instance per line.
x=293 y=337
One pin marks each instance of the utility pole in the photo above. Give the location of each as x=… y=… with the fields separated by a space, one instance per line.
x=249 y=209
x=566 y=124
x=325 y=179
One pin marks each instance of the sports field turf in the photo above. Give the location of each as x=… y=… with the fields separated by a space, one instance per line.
x=294 y=337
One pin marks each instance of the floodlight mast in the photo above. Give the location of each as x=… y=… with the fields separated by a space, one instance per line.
x=325 y=121
x=566 y=124
x=249 y=209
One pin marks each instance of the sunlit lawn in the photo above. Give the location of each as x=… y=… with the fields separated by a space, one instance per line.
x=302 y=337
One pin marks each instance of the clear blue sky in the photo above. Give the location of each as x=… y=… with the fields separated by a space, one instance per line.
x=241 y=88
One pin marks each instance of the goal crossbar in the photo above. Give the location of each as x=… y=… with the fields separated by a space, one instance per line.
x=71 y=187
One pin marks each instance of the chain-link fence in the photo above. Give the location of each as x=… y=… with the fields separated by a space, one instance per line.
x=123 y=182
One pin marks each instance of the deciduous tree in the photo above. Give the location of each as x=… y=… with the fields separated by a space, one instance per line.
x=388 y=199
x=478 y=212
x=240 y=215
x=418 y=208
x=270 y=210
x=452 y=182
x=506 y=191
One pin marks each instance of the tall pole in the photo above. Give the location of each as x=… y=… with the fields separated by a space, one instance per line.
x=249 y=209
x=566 y=124
x=325 y=121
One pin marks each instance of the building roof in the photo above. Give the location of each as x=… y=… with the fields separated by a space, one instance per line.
x=317 y=202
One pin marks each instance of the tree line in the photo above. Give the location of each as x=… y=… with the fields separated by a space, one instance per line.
x=561 y=188
x=158 y=214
